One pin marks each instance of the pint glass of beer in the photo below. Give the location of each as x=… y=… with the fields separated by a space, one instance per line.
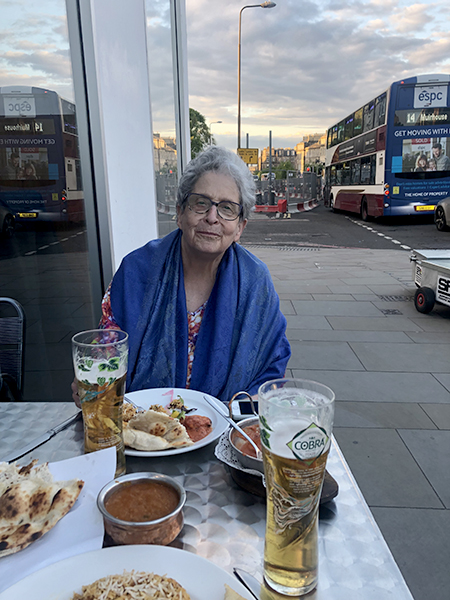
x=100 y=359
x=296 y=419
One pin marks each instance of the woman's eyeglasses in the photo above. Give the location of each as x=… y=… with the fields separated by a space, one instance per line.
x=201 y=204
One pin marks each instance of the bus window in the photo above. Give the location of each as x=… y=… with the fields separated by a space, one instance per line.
x=355 y=172
x=373 y=168
x=368 y=116
x=365 y=170
x=357 y=122
x=345 y=174
x=334 y=135
x=380 y=110
x=340 y=133
x=333 y=177
x=348 y=131
x=339 y=174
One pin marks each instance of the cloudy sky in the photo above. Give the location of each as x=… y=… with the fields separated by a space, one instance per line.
x=305 y=63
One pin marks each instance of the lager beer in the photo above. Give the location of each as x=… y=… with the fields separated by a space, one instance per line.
x=100 y=358
x=295 y=421
x=102 y=417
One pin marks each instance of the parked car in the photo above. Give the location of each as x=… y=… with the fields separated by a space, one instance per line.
x=442 y=214
x=7 y=221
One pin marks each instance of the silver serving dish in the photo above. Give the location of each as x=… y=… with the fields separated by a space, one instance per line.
x=248 y=462
x=160 y=531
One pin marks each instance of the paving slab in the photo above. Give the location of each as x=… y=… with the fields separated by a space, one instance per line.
x=433 y=322
x=419 y=542
x=386 y=472
x=381 y=323
x=336 y=355
x=443 y=378
x=336 y=309
x=306 y=322
x=431 y=449
x=387 y=415
x=439 y=414
x=353 y=386
x=423 y=358
x=330 y=335
x=424 y=337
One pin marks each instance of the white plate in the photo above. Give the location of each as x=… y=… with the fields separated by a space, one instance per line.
x=202 y=579
x=192 y=399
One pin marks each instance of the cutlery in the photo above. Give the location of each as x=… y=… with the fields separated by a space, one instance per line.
x=233 y=424
x=41 y=439
x=249 y=582
x=134 y=405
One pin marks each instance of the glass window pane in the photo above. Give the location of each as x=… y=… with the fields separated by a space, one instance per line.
x=357 y=123
x=348 y=132
x=163 y=112
x=368 y=116
x=380 y=110
x=44 y=264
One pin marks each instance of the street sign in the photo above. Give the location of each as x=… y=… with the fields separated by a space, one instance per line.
x=248 y=155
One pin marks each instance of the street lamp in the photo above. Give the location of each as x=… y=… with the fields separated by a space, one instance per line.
x=210 y=132
x=263 y=5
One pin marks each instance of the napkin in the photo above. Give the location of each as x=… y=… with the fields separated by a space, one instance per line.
x=81 y=530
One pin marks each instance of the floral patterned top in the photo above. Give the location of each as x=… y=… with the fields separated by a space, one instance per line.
x=107 y=321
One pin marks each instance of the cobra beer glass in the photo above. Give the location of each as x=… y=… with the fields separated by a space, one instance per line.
x=100 y=358
x=296 y=419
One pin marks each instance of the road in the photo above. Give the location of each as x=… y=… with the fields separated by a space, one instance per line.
x=321 y=227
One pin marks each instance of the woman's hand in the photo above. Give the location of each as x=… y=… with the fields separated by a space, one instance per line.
x=75 y=396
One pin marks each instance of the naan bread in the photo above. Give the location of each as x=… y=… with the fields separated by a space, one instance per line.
x=230 y=594
x=141 y=440
x=31 y=503
x=154 y=430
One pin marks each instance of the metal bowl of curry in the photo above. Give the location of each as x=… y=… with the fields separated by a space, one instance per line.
x=142 y=508
x=242 y=449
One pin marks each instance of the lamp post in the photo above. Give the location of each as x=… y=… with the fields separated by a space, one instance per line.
x=210 y=132
x=263 y=5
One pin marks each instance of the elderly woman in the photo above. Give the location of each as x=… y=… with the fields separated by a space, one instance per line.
x=200 y=310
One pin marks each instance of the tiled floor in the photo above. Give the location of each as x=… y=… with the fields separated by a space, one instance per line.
x=390 y=369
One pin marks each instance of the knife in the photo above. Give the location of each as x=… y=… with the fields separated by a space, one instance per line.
x=249 y=582
x=38 y=441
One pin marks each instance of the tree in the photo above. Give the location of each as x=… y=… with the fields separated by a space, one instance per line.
x=200 y=133
x=284 y=166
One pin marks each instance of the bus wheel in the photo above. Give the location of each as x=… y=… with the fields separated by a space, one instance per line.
x=9 y=225
x=424 y=299
x=364 y=211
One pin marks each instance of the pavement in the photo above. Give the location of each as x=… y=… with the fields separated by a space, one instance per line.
x=353 y=326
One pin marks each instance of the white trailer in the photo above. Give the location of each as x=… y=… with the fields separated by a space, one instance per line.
x=431 y=274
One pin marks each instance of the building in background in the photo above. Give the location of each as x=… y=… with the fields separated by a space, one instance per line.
x=310 y=152
x=165 y=153
x=279 y=155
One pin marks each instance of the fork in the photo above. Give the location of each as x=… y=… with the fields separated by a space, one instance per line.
x=134 y=405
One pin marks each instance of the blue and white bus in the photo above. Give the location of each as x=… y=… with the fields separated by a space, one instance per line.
x=40 y=176
x=391 y=157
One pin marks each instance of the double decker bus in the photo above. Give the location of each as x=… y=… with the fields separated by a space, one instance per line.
x=40 y=176
x=391 y=157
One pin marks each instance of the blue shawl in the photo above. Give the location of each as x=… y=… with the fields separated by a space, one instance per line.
x=241 y=342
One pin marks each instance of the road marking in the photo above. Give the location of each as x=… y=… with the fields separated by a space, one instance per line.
x=53 y=243
x=386 y=237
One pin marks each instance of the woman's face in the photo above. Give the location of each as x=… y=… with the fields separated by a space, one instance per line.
x=422 y=162
x=209 y=234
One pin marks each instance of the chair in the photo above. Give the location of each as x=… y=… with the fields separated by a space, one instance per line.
x=12 y=334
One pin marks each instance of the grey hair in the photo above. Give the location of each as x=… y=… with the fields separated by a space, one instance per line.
x=220 y=160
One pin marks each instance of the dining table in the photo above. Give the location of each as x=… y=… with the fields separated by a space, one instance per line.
x=225 y=523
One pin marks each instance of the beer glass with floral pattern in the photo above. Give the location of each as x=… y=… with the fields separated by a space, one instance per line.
x=100 y=359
